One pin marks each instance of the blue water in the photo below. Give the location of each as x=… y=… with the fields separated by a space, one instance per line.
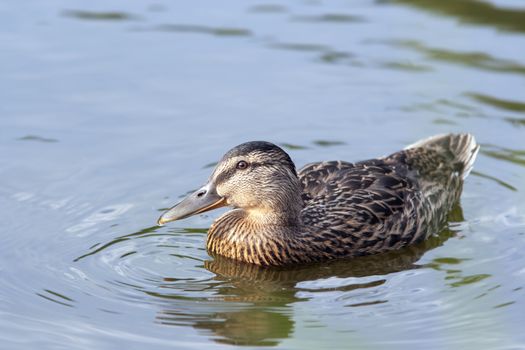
x=111 y=111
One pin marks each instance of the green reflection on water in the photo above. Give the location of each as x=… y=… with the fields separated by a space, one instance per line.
x=331 y=18
x=504 y=304
x=99 y=16
x=470 y=279
x=128 y=254
x=446 y=107
x=37 y=138
x=256 y=327
x=336 y=57
x=407 y=66
x=292 y=146
x=495 y=179
x=515 y=156
x=52 y=296
x=449 y=260
x=473 y=11
x=328 y=143
x=301 y=47
x=479 y=60
x=454 y=104
x=199 y=29
x=500 y=103
x=443 y=121
x=515 y=121
x=441 y=264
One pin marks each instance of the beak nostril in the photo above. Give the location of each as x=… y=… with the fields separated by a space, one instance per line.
x=201 y=193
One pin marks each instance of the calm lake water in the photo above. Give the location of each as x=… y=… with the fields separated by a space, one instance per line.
x=111 y=111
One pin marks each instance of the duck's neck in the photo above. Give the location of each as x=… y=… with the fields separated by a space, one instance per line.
x=286 y=216
x=279 y=205
x=257 y=236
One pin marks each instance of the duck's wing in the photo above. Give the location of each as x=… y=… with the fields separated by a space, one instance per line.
x=369 y=206
x=386 y=203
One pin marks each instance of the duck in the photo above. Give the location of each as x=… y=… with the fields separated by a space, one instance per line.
x=330 y=209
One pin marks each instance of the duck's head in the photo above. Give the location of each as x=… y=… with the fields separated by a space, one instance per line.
x=258 y=177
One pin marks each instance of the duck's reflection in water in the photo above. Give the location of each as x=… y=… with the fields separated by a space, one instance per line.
x=253 y=305
x=248 y=327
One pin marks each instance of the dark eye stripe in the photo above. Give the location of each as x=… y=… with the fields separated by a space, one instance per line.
x=225 y=175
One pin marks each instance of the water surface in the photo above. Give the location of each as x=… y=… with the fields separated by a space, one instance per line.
x=112 y=111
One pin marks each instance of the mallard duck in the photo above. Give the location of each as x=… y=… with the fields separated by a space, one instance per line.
x=330 y=209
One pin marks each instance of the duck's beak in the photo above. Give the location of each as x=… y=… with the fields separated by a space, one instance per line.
x=204 y=199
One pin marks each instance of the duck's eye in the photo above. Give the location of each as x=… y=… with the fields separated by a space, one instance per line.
x=242 y=165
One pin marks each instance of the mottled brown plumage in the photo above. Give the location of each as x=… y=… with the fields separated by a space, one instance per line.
x=329 y=209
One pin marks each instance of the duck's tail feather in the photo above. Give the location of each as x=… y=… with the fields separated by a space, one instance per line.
x=462 y=148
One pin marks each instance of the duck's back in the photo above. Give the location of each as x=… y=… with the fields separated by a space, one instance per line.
x=383 y=204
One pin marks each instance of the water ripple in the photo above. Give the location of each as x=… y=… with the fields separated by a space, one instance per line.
x=108 y=213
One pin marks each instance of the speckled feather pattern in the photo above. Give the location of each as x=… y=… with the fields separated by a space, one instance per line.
x=354 y=209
